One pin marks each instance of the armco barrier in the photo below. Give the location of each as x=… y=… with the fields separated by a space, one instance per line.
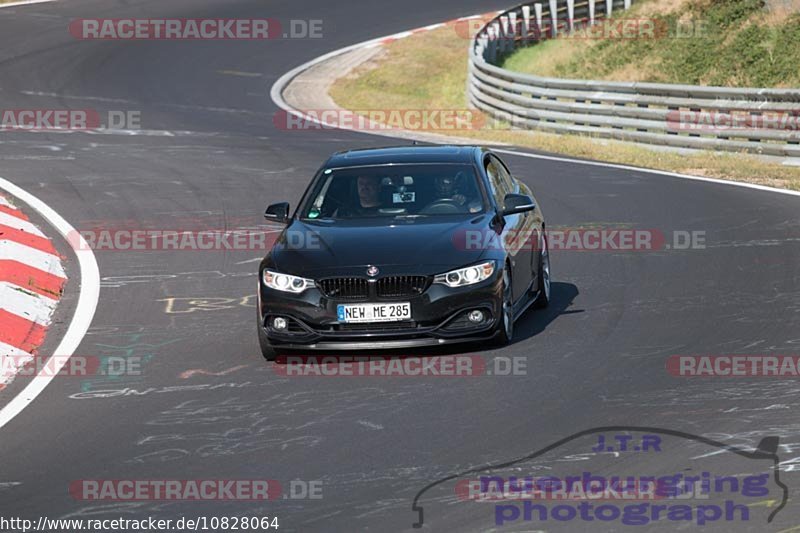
x=763 y=121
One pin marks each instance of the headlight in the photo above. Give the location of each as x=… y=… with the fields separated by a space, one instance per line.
x=466 y=276
x=285 y=282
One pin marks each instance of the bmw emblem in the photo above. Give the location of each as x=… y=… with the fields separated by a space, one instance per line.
x=372 y=271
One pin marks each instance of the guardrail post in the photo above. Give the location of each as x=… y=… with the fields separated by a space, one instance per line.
x=609 y=7
x=504 y=45
x=483 y=46
x=553 y=18
x=571 y=14
x=537 y=9
x=512 y=33
x=492 y=49
x=501 y=40
x=591 y=12
x=503 y=36
x=526 y=22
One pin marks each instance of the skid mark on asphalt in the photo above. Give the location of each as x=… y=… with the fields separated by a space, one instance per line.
x=202 y=372
x=370 y=425
x=212 y=109
x=237 y=425
x=116 y=282
x=240 y=73
x=249 y=261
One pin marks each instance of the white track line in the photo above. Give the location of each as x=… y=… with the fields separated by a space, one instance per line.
x=25 y=304
x=14 y=251
x=649 y=171
x=25 y=3
x=84 y=311
x=4 y=203
x=276 y=94
x=17 y=223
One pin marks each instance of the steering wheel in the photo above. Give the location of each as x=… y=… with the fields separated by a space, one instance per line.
x=443 y=206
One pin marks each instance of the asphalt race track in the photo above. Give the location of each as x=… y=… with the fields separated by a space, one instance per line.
x=596 y=357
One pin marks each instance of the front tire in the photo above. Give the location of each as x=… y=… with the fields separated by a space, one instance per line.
x=505 y=326
x=543 y=284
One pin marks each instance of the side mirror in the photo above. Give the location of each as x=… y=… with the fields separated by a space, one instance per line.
x=278 y=212
x=517 y=203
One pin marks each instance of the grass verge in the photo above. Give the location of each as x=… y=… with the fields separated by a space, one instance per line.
x=429 y=71
x=734 y=43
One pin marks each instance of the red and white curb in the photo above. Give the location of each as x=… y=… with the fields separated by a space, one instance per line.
x=82 y=316
x=32 y=280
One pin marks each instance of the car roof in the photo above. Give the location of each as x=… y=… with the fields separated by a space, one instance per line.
x=404 y=154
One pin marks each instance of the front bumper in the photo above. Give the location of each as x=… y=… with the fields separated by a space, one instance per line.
x=437 y=318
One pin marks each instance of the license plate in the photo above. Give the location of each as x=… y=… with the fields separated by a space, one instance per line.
x=374 y=312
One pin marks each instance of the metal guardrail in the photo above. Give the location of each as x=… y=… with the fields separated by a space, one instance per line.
x=763 y=121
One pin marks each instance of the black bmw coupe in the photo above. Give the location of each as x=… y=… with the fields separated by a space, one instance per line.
x=403 y=247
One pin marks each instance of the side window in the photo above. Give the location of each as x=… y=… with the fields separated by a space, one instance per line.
x=499 y=179
x=505 y=176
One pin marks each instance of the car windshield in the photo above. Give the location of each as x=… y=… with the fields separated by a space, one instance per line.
x=394 y=191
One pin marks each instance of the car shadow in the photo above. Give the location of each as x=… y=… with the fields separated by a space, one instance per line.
x=533 y=322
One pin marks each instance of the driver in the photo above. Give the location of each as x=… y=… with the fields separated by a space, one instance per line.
x=369 y=203
x=368 y=189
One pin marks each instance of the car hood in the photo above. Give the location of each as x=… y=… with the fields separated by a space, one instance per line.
x=404 y=246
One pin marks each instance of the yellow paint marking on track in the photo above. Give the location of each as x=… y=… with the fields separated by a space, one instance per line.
x=763 y=503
